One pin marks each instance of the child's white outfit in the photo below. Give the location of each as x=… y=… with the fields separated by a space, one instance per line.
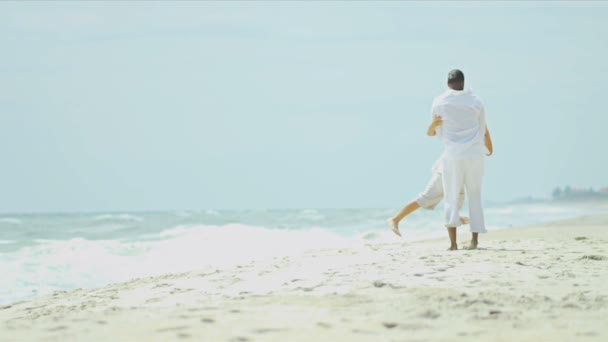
x=433 y=193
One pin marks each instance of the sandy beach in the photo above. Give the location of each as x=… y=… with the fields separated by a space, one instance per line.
x=541 y=283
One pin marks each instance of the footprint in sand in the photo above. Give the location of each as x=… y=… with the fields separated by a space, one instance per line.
x=61 y=327
x=207 y=320
x=389 y=325
x=567 y=274
x=239 y=339
x=593 y=257
x=181 y=327
x=379 y=283
x=36 y=307
x=430 y=314
x=267 y=330
x=178 y=290
x=204 y=308
x=359 y=331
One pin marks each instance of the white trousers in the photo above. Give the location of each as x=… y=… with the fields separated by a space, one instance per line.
x=467 y=172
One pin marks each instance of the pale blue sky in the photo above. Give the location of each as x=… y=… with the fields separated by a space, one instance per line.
x=163 y=105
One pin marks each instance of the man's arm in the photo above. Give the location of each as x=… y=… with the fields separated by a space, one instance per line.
x=488 y=142
x=431 y=131
x=483 y=124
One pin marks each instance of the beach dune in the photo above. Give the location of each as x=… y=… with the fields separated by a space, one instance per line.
x=541 y=283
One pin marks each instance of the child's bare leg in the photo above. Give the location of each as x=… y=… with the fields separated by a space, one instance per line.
x=409 y=208
x=452 y=234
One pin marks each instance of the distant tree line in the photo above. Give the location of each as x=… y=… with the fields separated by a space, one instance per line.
x=569 y=192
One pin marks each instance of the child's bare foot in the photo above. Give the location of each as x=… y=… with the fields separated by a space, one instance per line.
x=464 y=220
x=453 y=248
x=472 y=245
x=394 y=226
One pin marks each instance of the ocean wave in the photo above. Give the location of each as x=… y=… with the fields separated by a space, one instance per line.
x=183 y=213
x=172 y=232
x=551 y=210
x=311 y=215
x=507 y=210
x=118 y=217
x=10 y=220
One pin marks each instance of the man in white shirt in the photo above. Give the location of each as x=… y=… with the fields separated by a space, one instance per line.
x=433 y=192
x=461 y=124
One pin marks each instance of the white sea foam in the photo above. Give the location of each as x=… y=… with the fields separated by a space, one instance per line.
x=237 y=242
x=50 y=265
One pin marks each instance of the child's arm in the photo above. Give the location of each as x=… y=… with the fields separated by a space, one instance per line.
x=489 y=143
x=431 y=131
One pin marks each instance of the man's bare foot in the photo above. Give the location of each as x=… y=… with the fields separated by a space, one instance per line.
x=464 y=220
x=394 y=226
x=453 y=248
x=472 y=245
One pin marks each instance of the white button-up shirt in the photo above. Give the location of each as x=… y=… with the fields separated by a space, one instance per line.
x=463 y=124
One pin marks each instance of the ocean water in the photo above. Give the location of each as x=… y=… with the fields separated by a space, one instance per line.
x=42 y=253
